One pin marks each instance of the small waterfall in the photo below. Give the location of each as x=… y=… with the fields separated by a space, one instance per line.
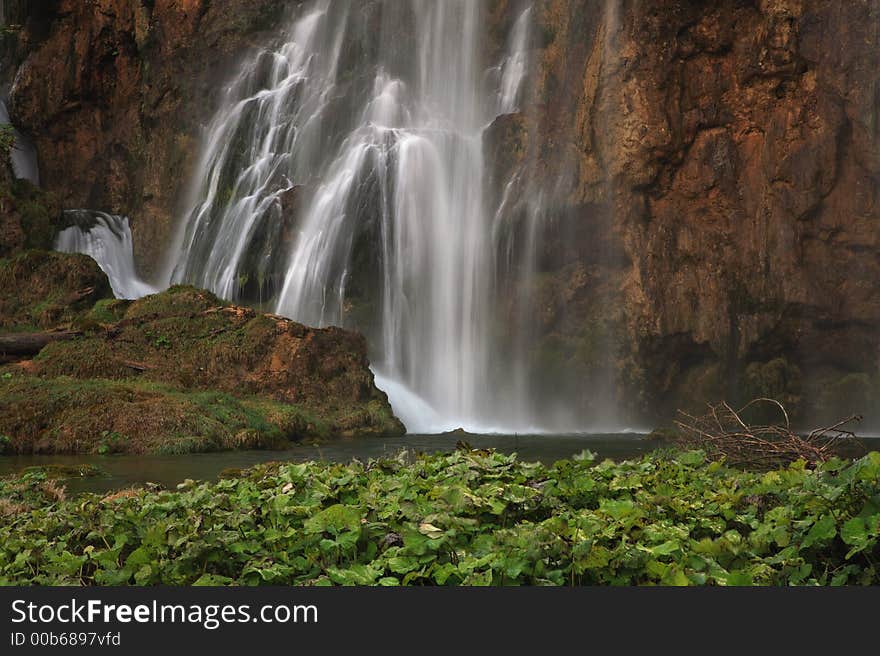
x=515 y=66
x=345 y=175
x=24 y=154
x=106 y=238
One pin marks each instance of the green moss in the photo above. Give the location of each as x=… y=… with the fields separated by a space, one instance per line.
x=180 y=300
x=7 y=141
x=39 y=214
x=108 y=310
x=67 y=415
x=32 y=216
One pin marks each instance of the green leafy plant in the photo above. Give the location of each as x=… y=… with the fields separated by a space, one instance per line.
x=465 y=518
x=111 y=442
x=162 y=342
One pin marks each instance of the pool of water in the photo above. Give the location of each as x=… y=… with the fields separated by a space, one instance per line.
x=125 y=470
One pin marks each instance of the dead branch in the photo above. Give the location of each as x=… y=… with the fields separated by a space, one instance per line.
x=138 y=366
x=723 y=434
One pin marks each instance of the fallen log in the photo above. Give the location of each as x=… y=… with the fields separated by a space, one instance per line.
x=23 y=344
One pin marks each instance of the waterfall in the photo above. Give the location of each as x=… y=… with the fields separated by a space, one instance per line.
x=24 y=153
x=343 y=183
x=106 y=238
x=513 y=69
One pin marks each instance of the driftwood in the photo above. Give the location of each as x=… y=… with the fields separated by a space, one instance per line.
x=25 y=344
x=722 y=433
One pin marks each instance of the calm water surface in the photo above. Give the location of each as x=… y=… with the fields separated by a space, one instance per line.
x=125 y=470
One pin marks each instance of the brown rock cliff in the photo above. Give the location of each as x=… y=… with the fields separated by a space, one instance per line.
x=714 y=169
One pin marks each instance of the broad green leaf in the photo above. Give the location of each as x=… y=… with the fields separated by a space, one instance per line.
x=334 y=520
x=822 y=532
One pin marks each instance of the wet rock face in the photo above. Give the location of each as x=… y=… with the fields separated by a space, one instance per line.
x=736 y=145
x=115 y=91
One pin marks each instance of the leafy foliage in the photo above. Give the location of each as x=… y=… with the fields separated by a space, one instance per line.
x=466 y=518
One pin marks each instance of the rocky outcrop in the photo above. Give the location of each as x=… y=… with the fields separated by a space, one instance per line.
x=191 y=340
x=176 y=372
x=714 y=169
x=115 y=93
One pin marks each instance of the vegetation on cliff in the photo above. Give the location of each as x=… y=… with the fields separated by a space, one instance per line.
x=470 y=518
x=29 y=216
x=114 y=94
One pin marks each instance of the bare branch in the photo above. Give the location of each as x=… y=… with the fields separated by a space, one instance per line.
x=723 y=434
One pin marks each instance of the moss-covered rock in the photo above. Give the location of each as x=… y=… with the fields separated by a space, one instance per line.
x=182 y=371
x=187 y=338
x=41 y=290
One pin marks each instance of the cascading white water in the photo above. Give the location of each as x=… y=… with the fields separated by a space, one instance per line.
x=380 y=139
x=515 y=65
x=23 y=154
x=106 y=238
